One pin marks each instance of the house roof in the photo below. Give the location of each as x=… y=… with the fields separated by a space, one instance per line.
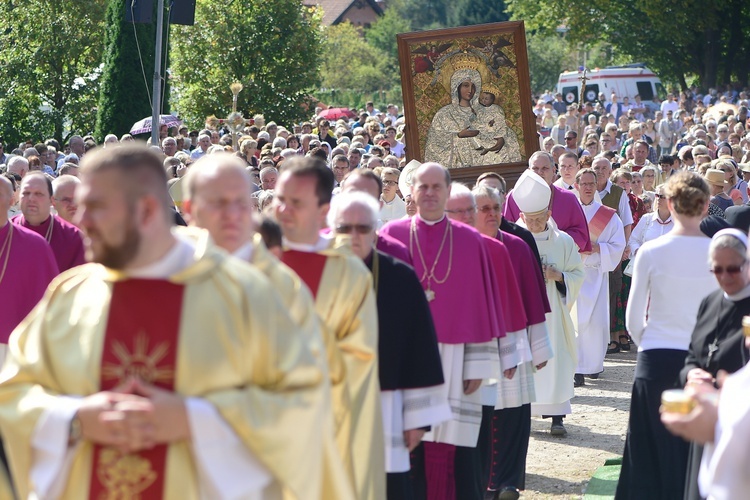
x=333 y=10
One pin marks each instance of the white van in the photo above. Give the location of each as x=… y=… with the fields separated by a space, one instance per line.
x=625 y=81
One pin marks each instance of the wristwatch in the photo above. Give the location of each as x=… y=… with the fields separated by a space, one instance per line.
x=74 y=432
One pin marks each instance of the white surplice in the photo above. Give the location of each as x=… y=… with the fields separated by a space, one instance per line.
x=554 y=384
x=591 y=311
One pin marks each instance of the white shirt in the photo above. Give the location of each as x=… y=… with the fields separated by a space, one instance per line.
x=648 y=228
x=392 y=210
x=723 y=473
x=671 y=276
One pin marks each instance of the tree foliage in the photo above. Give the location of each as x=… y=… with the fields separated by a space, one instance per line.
x=548 y=57
x=382 y=33
x=126 y=86
x=350 y=63
x=272 y=47
x=675 y=38
x=51 y=51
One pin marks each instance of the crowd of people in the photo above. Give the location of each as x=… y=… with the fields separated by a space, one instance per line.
x=300 y=313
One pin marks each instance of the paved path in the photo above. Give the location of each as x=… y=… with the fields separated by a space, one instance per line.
x=561 y=467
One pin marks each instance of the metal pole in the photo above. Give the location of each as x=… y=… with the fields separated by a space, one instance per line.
x=156 y=104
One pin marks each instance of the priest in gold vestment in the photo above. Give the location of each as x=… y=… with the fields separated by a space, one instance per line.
x=165 y=370
x=217 y=198
x=344 y=299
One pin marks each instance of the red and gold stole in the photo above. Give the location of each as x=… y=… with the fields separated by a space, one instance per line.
x=140 y=341
x=599 y=221
x=308 y=266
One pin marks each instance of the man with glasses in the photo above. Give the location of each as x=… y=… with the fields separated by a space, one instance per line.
x=461 y=206
x=511 y=422
x=563 y=273
x=393 y=207
x=607 y=143
x=410 y=369
x=571 y=144
x=592 y=307
x=340 y=167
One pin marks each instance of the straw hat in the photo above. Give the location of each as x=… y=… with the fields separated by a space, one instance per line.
x=715 y=177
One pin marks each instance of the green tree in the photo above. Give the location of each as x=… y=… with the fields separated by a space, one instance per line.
x=126 y=82
x=51 y=51
x=273 y=47
x=382 y=33
x=350 y=63
x=548 y=57
x=469 y=12
x=675 y=38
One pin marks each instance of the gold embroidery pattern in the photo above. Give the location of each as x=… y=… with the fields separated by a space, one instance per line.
x=140 y=363
x=124 y=477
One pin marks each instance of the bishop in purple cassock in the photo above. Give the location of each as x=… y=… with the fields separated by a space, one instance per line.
x=456 y=273
x=36 y=203
x=566 y=210
x=26 y=268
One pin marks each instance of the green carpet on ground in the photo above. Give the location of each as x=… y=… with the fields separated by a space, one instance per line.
x=604 y=481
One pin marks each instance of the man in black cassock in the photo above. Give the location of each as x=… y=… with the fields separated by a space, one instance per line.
x=410 y=369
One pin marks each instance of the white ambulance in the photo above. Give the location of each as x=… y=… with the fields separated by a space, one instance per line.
x=625 y=81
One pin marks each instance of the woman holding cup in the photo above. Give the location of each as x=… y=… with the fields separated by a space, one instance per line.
x=671 y=275
x=717 y=342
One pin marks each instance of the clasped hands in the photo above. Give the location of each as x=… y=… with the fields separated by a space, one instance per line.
x=133 y=417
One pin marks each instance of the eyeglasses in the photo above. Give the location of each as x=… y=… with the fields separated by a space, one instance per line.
x=354 y=228
x=466 y=211
x=661 y=196
x=486 y=209
x=729 y=269
x=390 y=183
x=570 y=138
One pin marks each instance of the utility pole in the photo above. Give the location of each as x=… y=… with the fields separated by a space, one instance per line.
x=156 y=102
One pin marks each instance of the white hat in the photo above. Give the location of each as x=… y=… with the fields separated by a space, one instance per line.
x=406 y=179
x=531 y=193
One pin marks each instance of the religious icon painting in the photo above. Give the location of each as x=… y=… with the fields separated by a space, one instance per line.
x=467 y=98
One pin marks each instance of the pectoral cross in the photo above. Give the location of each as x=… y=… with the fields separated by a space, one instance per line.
x=712 y=348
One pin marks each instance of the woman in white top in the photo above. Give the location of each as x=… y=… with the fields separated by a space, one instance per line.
x=558 y=131
x=653 y=224
x=670 y=278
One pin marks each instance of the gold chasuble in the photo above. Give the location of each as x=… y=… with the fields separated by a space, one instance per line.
x=215 y=330
x=299 y=302
x=345 y=302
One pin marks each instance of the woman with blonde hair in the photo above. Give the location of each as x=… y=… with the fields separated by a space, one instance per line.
x=671 y=276
x=559 y=130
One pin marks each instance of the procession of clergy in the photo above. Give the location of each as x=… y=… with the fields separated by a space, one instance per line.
x=355 y=360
